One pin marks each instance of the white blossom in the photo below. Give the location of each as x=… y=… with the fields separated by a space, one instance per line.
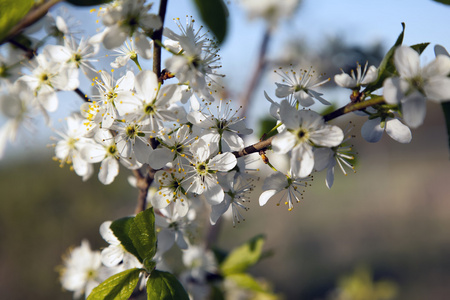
x=203 y=168
x=83 y=270
x=68 y=148
x=221 y=129
x=304 y=129
x=362 y=78
x=415 y=84
x=301 y=85
x=288 y=187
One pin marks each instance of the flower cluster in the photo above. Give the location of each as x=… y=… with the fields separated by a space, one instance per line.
x=188 y=143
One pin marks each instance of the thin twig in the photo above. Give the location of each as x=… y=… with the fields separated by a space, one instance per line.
x=143 y=182
x=81 y=94
x=157 y=36
x=265 y=144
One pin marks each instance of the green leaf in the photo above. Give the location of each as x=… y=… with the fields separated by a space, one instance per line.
x=87 y=2
x=420 y=47
x=121 y=229
x=446 y=109
x=266 y=124
x=11 y=13
x=165 y=286
x=143 y=234
x=243 y=257
x=246 y=281
x=117 y=287
x=214 y=13
x=387 y=67
x=446 y=2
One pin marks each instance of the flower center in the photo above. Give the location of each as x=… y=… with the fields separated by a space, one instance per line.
x=91 y=274
x=149 y=109
x=45 y=78
x=71 y=143
x=202 y=168
x=302 y=135
x=112 y=150
x=111 y=95
x=418 y=82
x=131 y=131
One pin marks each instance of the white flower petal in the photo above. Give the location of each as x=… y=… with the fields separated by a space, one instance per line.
x=265 y=196
x=328 y=136
x=112 y=255
x=109 y=169
x=146 y=84
x=407 y=61
x=345 y=80
x=213 y=193
x=234 y=141
x=371 y=130
x=302 y=161
x=398 y=131
x=330 y=177
x=414 y=108
x=283 y=142
x=438 y=67
x=223 y=162
x=438 y=88
x=166 y=239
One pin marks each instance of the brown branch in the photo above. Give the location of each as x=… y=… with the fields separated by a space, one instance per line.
x=353 y=107
x=34 y=15
x=81 y=94
x=265 y=144
x=143 y=182
x=255 y=148
x=157 y=36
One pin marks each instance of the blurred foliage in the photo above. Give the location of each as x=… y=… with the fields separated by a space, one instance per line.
x=11 y=13
x=361 y=286
x=44 y=210
x=214 y=14
x=447 y=2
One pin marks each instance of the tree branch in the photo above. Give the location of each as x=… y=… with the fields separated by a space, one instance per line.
x=157 y=36
x=265 y=144
x=143 y=182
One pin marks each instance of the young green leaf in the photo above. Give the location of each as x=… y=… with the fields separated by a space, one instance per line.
x=387 y=67
x=117 y=287
x=11 y=12
x=243 y=257
x=420 y=47
x=121 y=229
x=164 y=286
x=143 y=234
x=246 y=281
x=446 y=2
x=214 y=13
